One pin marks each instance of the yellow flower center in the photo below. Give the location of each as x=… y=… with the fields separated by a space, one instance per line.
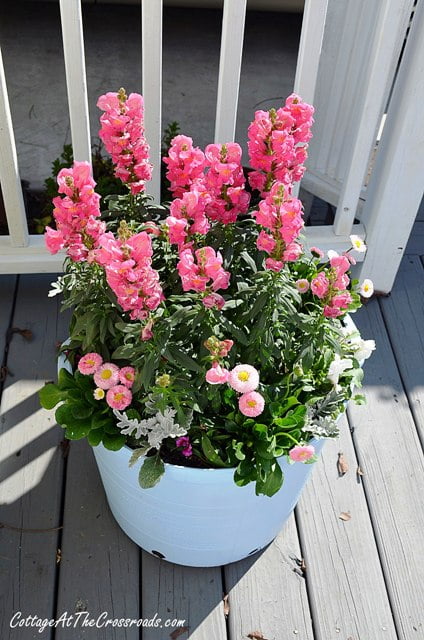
x=118 y=397
x=251 y=403
x=90 y=362
x=106 y=374
x=243 y=376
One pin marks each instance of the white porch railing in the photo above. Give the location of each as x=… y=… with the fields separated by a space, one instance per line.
x=365 y=75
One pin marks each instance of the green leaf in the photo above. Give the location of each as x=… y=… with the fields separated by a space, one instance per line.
x=113 y=442
x=66 y=380
x=359 y=399
x=77 y=431
x=151 y=472
x=210 y=452
x=95 y=437
x=100 y=420
x=50 y=395
x=272 y=483
x=81 y=410
x=137 y=454
x=180 y=357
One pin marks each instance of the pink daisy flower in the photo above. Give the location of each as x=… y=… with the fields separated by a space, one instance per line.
x=107 y=375
x=90 y=363
x=119 y=397
x=127 y=376
x=301 y=452
x=251 y=404
x=302 y=285
x=244 y=378
x=217 y=374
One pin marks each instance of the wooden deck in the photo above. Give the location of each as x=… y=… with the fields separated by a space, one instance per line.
x=324 y=578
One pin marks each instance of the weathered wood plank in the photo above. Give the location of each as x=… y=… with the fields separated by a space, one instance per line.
x=7 y=290
x=267 y=592
x=415 y=244
x=191 y=594
x=345 y=580
x=403 y=313
x=389 y=452
x=31 y=463
x=99 y=569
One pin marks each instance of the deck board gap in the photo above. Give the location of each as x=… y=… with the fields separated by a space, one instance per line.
x=7 y=335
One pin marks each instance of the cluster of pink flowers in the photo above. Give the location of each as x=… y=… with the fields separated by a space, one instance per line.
x=277 y=144
x=112 y=382
x=123 y=135
x=76 y=214
x=282 y=216
x=245 y=380
x=203 y=271
x=207 y=186
x=225 y=183
x=127 y=263
x=185 y=165
x=330 y=286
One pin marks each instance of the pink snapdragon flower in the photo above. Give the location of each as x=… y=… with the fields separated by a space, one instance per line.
x=320 y=285
x=302 y=452
x=213 y=301
x=204 y=272
x=107 y=375
x=244 y=378
x=76 y=214
x=217 y=374
x=123 y=135
x=90 y=363
x=251 y=404
x=119 y=397
x=282 y=216
x=127 y=264
x=277 y=144
x=185 y=164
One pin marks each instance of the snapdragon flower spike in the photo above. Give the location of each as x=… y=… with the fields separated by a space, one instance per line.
x=127 y=264
x=225 y=183
x=330 y=286
x=76 y=214
x=185 y=164
x=277 y=144
x=202 y=270
x=282 y=216
x=123 y=135
x=188 y=217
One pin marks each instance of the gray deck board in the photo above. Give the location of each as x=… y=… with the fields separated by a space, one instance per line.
x=7 y=288
x=403 y=313
x=415 y=244
x=345 y=581
x=31 y=463
x=97 y=558
x=391 y=457
x=267 y=592
x=186 y=593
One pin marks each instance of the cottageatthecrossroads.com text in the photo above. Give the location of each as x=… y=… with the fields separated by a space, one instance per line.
x=85 y=620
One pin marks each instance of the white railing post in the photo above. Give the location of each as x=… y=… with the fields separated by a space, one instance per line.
x=76 y=81
x=374 y=83
x=396 y=185
x=9 y=173
x=233 y=20
x=310 y=46
x=151 y=27
x=308 y=57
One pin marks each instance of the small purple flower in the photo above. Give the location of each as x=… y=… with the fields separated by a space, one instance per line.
x=184 y=442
